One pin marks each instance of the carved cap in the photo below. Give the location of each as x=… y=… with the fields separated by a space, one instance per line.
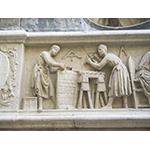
x=55 y=46
x=103 y=46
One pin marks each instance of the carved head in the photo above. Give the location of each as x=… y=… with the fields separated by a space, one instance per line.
x=102 y=50
x=54 y=50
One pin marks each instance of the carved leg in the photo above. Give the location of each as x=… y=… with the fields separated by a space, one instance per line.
x=105 y=97
x=84 y=101
x=101 y=99
x=80 y=100
x=90 y=100
x=149 y=100
x=93 y=92
x=97 y=100
x=40 y=100
x=125 y=100
x=109 y=104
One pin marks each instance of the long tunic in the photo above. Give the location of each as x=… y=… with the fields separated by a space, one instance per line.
x=119 y=82
x=143 y=73
x=41 y=81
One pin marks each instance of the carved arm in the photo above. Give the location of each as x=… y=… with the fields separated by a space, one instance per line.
x=97 y=66
x=51 y=62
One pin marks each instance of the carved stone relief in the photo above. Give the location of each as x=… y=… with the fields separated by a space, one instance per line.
x=143 y=76
x=8 y=67
x=85 y=87
x=106 y=85
x=41 y=81
x=119 y=82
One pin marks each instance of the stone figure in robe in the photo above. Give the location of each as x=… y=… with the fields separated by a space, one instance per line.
x=41 y=79
x=143 y=74
x=119 y=82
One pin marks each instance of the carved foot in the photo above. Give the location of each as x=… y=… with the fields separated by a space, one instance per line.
x=125 y=106
x=107 y=107
x=39 y=110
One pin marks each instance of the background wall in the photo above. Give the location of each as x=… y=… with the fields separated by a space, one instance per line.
x=68 y=24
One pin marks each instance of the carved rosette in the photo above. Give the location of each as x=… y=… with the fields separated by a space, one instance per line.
x=8 y=67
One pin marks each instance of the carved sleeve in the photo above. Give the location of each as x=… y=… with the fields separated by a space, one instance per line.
x=50 y=61
x=100 y=65
x=53 y=69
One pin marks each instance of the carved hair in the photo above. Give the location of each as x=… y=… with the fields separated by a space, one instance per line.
x=54 y=46
x=103 y=46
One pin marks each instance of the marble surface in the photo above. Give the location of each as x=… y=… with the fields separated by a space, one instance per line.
x=28 y=45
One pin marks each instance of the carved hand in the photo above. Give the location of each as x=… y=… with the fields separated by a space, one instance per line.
x=62 y=65
x=88 y=61
x=138 y=68
x=142 y=68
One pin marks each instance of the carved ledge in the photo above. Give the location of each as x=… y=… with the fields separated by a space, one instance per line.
x=117 y=118
x=13 y=36
x=92 y=36
x=21 y=36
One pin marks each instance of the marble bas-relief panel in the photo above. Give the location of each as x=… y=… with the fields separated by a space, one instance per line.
x=11 y=60
x=80 y=76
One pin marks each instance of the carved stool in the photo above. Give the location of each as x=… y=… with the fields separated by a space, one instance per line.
x=83 y=79
x=100 y=88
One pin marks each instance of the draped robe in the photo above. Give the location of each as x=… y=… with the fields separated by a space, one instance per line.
x=143 y=73
x=41 y=81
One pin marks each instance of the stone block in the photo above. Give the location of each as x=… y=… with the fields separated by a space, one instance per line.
x=66 y=94
x=30 y=103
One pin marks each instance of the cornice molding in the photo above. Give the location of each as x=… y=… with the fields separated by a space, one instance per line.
x=91 y=36
x=13 y=36
x=124 y=36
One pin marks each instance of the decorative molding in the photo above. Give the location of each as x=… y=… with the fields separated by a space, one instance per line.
x=109 y=36
x=130 y=36
x=13 y=36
